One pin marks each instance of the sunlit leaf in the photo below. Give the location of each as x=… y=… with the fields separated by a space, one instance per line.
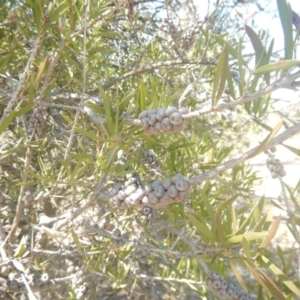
x=281 y=65
x=286 y=18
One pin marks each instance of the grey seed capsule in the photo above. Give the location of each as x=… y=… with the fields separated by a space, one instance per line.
x=222 y=294
x=148 y=189
x=176 y=118
x=143 y=114
x=144 y=219
x=216 y=284
x=270 y=161
x=147 y=210
x=82 y=288
x=224 y=284
x=12 y=284
x=156 y=183
x=183 y=195
x=236 y=293
x=158 y=126
x=215 y=275
x=209 y=283
x=178 y=128
x=271 y=167
x=277 y=168
x=173 y=191
x=273 y=149
x=140 y=193
x=122 y=195
x=176 y=178
x=129 y=190
x=145 y=123
x=166 y=124
x=153 y=198
x=159 y=191
x=161 y=114
x=152 y=120
x=274 y=175
x=182 y=185
x=229 y=293
x=151 y=217
x=45 y=277
x=276 y=161
x=243 y=297
x=282 y=173
x=128 y=201
x=38 y=282
x=183 y=110
x=145 y=200
x=166 y=197
x=170 y=110
x=134 y=198
x=153 y=111
x=167 y=183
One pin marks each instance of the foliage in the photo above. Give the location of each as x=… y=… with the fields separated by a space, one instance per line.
x=75 y=76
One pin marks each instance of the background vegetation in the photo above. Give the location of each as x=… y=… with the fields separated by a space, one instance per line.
x=74 y=78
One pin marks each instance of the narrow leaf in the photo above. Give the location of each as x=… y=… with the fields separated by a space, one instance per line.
x=281 y=65
x=286 y=18
x=220 y=77
x=271 y=233
x=266 y=141
x=256 y=43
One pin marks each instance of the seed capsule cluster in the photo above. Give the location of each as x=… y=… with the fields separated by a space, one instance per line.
x=148 y=157
x=158 y=194
x=147 y=214
x=174 y=33
x=37 y=281
x=37 y=121
x=163 y=120
x=226 y=290
x=189 y=38
x=80 y=285
x=274 y=165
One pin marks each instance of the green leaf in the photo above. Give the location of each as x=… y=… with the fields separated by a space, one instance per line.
x=282 y=276
x=271 y=233
x=241 y=69
x=250 y=236
x=220 y=230
x=21 y=247
x=56 y=12
x=246 y=248
x=281 y=65
x=266 y=141
x=76 y=240
x=229 y=48
x=220 y=77
x=286 y=18
x=238 y=276
x=294 y=150
x=259 y=49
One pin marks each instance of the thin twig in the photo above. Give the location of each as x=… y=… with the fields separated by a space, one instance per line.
x=285 y=82
x=23 y=77
x=20 y=205
x=243 y=157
